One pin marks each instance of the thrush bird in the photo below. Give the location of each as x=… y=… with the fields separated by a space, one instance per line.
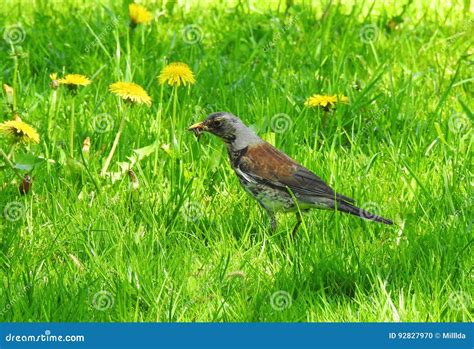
x=275 y=180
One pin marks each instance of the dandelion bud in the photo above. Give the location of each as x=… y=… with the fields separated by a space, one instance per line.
x=133 y=180
x=54 y=81
x=25 y=184
x=86 y=144
x=9 y=94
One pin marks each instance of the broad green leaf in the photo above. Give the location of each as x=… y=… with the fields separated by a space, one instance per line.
x=27 y=162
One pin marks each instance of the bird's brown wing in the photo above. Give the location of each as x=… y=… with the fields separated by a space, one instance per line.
x=266 y=164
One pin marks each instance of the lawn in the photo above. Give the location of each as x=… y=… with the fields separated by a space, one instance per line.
x=177 y=239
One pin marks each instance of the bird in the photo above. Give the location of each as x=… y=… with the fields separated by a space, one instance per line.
x=276 y=181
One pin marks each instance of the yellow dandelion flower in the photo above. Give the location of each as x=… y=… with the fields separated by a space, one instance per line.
x=130 y=92
x=19 y=131
x=325 y=102
x=138 y=14
x=176 y=74
x=74 y=80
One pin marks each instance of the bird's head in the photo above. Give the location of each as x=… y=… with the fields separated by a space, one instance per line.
x=224 y=125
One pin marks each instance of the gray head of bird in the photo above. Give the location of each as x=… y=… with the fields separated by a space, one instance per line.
x=227 y=127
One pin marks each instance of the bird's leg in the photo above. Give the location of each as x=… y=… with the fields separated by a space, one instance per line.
x=273 y=220
x=298 y=223
x=273 y=223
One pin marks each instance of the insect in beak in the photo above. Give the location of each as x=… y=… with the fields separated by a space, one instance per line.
x=198 y=129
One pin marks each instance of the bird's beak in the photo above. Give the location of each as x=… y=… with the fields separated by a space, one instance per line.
x=198 y=129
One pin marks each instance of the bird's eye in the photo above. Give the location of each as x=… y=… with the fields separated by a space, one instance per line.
x=217 y=123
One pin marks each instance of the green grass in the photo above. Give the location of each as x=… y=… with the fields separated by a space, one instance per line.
x=190 y=244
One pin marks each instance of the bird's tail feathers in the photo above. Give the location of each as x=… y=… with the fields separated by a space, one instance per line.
x=356 y=211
